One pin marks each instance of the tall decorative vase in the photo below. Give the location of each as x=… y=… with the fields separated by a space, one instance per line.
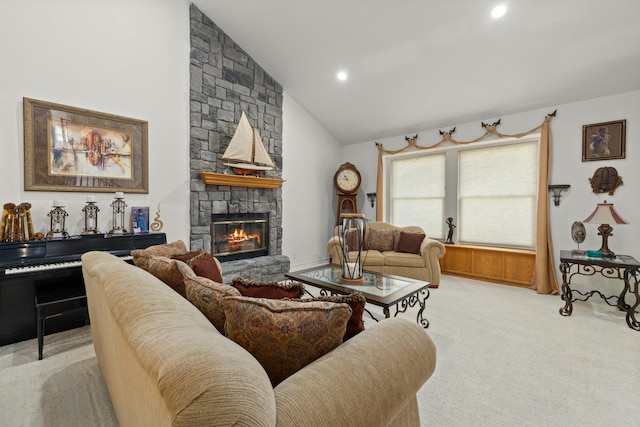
x=353 y=232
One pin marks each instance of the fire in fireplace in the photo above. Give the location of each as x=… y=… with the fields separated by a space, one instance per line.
x=239 y=236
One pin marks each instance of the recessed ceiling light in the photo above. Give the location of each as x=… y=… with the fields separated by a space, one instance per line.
x=342 y=75
x=498 y=11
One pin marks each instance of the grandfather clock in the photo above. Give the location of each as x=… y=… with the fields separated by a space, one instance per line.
x=347 y=181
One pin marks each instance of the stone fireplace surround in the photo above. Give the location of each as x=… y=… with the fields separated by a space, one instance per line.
x=224 y=81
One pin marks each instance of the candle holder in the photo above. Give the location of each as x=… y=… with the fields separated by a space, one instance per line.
x=58 y=217
x=118 y=205
x=353 y=233
x=91 y=210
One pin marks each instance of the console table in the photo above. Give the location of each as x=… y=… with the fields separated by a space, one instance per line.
x=621 y=267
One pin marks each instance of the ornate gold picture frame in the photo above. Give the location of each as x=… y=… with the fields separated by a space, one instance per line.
x=73 y=149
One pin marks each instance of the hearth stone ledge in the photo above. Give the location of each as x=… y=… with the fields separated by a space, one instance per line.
x=264 y=268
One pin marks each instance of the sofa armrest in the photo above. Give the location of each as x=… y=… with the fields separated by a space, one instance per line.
x=432 y=250
x=334 y=247
x=366 y=381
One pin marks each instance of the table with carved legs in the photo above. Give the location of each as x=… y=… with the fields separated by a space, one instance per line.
x=620 y=267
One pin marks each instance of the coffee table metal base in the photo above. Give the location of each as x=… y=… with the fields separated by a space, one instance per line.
x=419 y=298
x=382 y=290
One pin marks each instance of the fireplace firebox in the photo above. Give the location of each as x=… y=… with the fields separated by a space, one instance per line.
x=239 y=236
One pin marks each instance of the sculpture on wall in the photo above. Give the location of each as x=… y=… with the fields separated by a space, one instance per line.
x=605 y=180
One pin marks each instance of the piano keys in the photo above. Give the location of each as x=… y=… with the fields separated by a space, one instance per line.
x=31 y=267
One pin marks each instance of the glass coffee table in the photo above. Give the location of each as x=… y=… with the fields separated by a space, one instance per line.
x=378 y=289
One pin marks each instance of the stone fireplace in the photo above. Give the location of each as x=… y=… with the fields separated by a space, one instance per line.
x=224 y=82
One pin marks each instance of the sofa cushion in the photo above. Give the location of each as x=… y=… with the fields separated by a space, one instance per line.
x=267 y=289
x=141 y=256
x=410 y=242
x=356 y=301
x=381 y=240
x=284 y=335
x=202 y=263
x=207 y=295
x=403 y=259
x=370 y=257
x=166 y=269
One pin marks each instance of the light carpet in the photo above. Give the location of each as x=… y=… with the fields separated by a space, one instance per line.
x=505 y=358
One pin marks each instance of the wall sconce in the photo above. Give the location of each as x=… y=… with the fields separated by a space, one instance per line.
x=557 y=189
x=372 y=198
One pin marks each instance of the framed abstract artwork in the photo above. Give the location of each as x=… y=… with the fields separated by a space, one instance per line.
x=604 y=141
x=73 y=149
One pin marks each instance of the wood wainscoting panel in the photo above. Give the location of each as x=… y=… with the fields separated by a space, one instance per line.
x=507 y=266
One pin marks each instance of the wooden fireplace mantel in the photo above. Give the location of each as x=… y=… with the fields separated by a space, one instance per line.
x=240 y=180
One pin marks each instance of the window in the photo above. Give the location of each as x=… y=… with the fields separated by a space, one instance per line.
x=497 y=195
x=490 y=189
x=418 y=193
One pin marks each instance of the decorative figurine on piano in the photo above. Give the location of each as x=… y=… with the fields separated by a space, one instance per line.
x=118 y=206
x=58 y=216
x=16 y=224
x=91 y=216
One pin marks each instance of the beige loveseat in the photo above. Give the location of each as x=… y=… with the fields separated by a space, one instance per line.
x=423 y=265
x=165 y=364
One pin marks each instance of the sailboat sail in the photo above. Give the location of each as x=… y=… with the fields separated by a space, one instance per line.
x=246 y=149
x=260 y=154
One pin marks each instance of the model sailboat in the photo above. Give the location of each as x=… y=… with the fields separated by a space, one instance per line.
x=246 y=153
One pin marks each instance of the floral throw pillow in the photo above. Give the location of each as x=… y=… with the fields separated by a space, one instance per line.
x=141 y=256
x=207 y=295
x=356 y=301
x=166 y=269
x=381 y=240
x=284 y=335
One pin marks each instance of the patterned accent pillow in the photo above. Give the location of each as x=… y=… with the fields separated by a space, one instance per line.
x=285 y=336
x=268 y=289
x=202 y=263
x=356 y=301
x=166 y=269
x=207 y=295
x=141 y=256
x=410 y=242
x=381 y=240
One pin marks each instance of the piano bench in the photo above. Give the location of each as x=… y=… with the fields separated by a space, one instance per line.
x=53 y=304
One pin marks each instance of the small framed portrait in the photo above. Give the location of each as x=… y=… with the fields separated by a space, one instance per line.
x=139 y=219
x=604 y=141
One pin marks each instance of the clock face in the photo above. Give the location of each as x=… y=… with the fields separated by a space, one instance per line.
x=348 y=180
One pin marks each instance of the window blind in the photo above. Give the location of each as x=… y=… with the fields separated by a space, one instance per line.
x=418 y=193
x=497 y=193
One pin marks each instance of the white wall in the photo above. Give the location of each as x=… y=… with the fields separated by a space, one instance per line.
x=132 y=59
x=567 y=165
x=311 y=157
x=119 y=57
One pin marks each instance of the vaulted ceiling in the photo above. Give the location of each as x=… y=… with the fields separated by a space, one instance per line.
x=421 y=64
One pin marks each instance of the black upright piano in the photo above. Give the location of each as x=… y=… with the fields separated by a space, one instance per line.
x=32 y=267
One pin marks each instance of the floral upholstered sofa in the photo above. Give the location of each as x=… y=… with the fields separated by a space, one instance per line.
x=401 y=251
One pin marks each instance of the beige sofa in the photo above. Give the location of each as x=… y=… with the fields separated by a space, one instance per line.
x=423 y=266
x=165 y=364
